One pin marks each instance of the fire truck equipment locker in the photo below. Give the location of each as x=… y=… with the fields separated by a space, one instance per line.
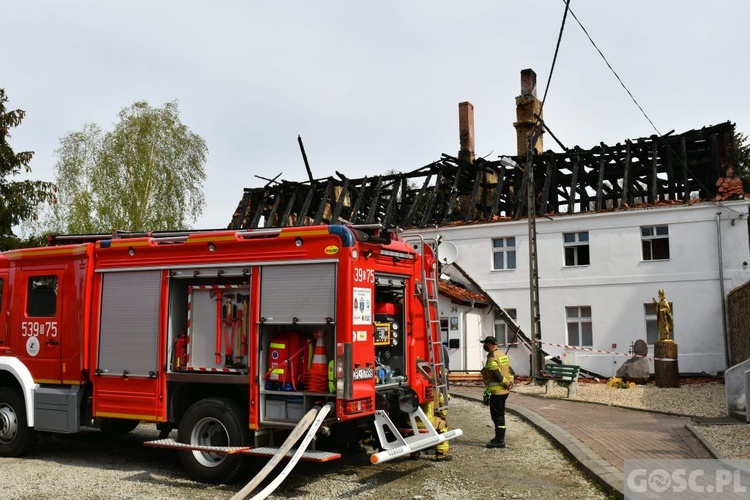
x=127 y=364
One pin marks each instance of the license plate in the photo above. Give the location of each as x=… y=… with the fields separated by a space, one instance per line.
x=363 y=373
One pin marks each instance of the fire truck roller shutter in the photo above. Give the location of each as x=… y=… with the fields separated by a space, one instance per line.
x=129 y=328
x=302 y=292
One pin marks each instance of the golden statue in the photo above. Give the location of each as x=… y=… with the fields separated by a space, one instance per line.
x=664 y=317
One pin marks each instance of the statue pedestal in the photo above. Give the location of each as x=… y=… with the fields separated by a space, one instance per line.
x=665 y=364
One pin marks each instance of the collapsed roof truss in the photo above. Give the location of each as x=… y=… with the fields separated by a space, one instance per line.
x=673 y=168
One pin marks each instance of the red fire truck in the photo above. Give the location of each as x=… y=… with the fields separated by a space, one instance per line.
x=227 y=337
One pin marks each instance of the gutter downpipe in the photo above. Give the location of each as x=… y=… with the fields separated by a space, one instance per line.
x=722 y=291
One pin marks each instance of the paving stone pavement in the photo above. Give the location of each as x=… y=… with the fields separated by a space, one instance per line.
x=600 y=437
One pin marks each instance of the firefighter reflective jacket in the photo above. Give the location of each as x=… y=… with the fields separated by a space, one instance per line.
x=496 y=360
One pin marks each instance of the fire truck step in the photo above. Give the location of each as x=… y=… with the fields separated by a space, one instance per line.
x=414 y=443
x=308 y=455
x=171 y=443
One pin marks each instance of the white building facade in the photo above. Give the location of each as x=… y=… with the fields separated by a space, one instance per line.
x=463 y=324
x=598 y=276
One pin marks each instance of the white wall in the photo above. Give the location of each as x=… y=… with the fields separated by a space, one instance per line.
x=474 y=323
x=618 y=282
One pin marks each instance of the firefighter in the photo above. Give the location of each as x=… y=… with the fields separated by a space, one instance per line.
x=497 y=382
x=439 y=422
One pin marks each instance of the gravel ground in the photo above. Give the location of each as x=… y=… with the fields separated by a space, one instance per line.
x=90 y=465
x=695 y=399
x=93 y=466
x=731 y=441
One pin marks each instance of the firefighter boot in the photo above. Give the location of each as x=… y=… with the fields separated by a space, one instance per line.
x=499 y=440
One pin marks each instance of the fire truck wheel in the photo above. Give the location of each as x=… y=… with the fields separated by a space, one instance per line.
x=116 y=426
x=16 y=437
x=213 y=422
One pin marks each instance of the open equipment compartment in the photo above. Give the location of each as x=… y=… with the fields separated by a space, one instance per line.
x=297 y=313
x=389 y=336
x=209 y=320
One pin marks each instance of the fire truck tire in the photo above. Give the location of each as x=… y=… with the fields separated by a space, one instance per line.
x=116 y=426
x=16 y=437
x=213 y=422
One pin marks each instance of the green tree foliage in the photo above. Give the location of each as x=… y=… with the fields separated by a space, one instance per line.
x=18 y=199
x=742 y=150
x=146 y=174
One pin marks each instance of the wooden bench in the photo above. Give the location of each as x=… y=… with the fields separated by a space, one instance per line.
x=562 y=375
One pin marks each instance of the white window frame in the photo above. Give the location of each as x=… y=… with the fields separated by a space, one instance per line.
x=503 y=334
x=579 y=322
x=650 y=234
x=508 y=252
x=580 y=240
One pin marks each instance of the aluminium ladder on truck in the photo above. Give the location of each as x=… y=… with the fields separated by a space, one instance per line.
x=434 y=368
x=424 y=435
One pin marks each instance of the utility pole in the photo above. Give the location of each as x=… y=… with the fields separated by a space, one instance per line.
x=536 y=325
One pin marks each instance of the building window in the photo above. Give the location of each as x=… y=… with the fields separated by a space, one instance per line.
x=503 y=333
x=576 y=247
x=503 y=253
x=652 y=323
x=41 y=298
x=655 y=242
x=580 y=332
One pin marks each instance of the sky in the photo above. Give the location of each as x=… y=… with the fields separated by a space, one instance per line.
x=369 y=86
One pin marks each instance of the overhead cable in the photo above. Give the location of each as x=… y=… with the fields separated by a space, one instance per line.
x=612 y=69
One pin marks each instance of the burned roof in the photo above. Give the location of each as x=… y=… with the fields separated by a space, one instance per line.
x=670 y=169
x=461 y=294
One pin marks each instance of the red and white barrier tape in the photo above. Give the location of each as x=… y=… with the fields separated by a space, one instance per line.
x=600 y=351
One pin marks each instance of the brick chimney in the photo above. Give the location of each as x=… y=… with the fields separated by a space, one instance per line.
x=466 y=131
x=527 y=105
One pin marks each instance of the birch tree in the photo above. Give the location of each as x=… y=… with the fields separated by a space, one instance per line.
x=146 y=174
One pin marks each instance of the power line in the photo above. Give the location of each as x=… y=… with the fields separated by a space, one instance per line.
x=612 y=69
x=554 y=58
x=661 y=136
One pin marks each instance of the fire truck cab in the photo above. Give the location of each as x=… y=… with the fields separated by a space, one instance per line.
x=229 y=337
